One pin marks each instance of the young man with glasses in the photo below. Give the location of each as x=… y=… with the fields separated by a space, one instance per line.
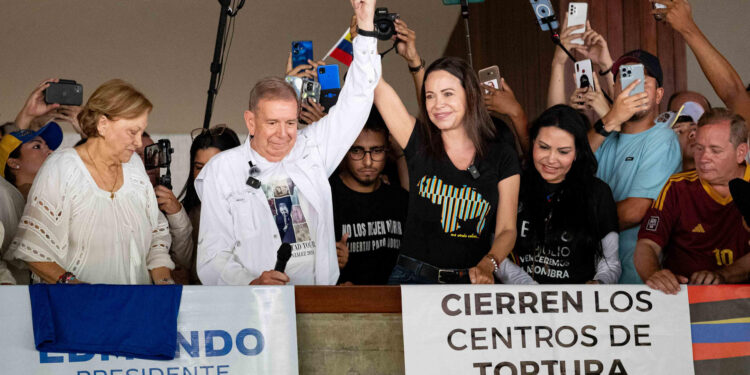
x=368 y=214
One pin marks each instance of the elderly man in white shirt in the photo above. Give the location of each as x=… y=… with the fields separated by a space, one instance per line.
x=274 y=188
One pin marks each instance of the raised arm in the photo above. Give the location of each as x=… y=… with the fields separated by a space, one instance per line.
x=400 y=123
x=556 y=91
x=336 y=132
x=408 y=50
x=726 y=82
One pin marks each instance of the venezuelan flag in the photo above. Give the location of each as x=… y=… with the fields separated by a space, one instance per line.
x=720 y=325
x=342 y=50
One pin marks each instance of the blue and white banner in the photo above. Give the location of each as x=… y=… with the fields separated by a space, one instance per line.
x=221 y=331
x=555 y=330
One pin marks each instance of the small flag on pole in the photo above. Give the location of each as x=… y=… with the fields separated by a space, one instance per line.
x=342 y=50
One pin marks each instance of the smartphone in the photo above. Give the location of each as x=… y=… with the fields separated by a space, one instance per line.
x=584 y=75
x=545 y=14
x=310 y=90
x=490 y=76
x=630 y=73
x=658 y=17
x=328 y=76
x=328 y=98
x=64 y=92
x=577 y=13
x=296 y=82
x=302 y=50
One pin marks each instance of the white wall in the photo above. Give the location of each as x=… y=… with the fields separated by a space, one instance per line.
x=726 y=23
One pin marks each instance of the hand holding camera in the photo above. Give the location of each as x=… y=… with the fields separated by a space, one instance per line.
x=311 y=111
x=159 y=155
x=35 y=105
x=309 y=70
x=677 y=13
x=167 y=200
x=625 y=107
x=566 y=39
x=595 y=48
x=502 y=101
x=407 y=48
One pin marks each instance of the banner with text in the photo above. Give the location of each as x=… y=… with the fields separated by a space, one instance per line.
x=221 y=331
x=525 y=330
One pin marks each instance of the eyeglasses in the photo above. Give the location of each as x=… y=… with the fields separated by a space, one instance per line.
x=376 y=153
x=213 y=131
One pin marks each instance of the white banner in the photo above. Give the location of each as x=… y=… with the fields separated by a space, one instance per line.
x=545 y=330
x=221 y=331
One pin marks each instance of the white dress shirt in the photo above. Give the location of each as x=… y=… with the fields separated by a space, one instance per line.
x=238 y=237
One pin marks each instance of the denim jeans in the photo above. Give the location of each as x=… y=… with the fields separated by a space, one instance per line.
x=401 y=275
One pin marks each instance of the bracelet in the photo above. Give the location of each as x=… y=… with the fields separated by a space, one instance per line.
x=415 y=69
x=66 y=278
x=599 y=128
x=605 y=72
x=165 y=281
x=494 y=261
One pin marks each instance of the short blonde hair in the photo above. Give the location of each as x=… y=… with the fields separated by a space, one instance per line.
x=114 y=99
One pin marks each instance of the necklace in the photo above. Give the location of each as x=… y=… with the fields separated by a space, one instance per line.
x=117 y=177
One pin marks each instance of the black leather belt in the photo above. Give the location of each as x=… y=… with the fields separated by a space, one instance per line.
x=438 y=275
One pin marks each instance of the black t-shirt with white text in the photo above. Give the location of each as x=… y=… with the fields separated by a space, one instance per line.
x=451 y=220
x=555 y=259
x=375 y=224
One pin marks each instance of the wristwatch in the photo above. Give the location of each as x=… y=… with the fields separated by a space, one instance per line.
x=599 y=128
x=417 y=68
x=373 y=33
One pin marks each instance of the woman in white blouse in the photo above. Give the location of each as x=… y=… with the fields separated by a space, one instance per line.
x=91 y=214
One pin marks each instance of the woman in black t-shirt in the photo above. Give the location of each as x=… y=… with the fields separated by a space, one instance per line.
x=567 y=218
x=463 y=187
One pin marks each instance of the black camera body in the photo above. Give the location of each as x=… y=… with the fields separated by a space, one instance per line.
x=159 y=155
x=64 y=92
x=384 y=23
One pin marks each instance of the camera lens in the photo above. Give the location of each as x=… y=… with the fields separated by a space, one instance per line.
x=322 y=70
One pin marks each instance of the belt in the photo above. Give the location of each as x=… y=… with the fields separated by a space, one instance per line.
x=438 y=275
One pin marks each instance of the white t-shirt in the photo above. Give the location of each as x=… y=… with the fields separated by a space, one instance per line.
x=296 y=221
x=69 y=220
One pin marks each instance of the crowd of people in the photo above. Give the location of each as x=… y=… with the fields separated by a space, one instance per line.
x=366 y=193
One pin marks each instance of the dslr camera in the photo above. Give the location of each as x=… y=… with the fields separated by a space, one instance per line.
x=159 y=155
x=384 y=23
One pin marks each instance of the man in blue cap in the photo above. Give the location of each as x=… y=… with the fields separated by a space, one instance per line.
x=21 y=155
x=636 y=152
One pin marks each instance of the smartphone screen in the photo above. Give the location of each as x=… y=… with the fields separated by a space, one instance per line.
x=302 y=50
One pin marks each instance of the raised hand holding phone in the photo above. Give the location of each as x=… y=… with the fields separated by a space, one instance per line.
x=577 y=14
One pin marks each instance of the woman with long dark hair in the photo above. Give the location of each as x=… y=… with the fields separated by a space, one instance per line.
x=463 y=186
x=567 y=218
x=206 y=144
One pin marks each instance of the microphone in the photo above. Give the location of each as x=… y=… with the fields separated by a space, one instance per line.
x=282 y=256
x=474 y=171
x=252 y=181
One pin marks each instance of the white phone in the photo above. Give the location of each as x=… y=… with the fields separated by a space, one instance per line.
x=584 y=74
x=577 y=15
x=490 y=76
